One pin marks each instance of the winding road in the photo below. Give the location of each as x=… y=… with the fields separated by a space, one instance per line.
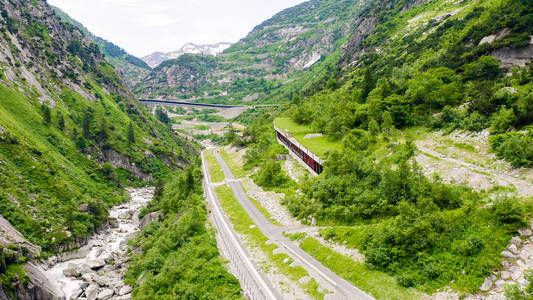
x=341 y=288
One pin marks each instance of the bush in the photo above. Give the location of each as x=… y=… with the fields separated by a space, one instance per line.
x=475 y=122
x=514 y=147
x=502 y=121
x=508 y=211
x=270 y=175
x=485 y=68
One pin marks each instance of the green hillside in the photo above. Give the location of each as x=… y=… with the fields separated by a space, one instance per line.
x=72 y=137
x=424 y=66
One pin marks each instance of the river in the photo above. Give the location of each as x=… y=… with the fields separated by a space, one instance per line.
x=97 y=270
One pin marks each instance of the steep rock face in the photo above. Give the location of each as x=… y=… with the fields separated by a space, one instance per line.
x=374 y=12
x=274 y=52
x=33 y=284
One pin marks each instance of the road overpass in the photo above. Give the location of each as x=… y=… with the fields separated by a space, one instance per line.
x=199 y=105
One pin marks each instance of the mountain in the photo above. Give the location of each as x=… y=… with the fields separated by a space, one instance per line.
x=157 y=58
x=279 y=51
x=134 y=69
x=424 y=116
x=71 y=137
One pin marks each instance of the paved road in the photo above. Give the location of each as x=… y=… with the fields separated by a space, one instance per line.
x=253 y=281
x=342 y=289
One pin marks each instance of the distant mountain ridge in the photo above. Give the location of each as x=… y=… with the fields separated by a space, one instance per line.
x=156 y=58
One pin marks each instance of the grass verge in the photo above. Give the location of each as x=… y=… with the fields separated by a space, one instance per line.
x=243 y=224
x=377 y=284
x=215 y=170
x=238 y=171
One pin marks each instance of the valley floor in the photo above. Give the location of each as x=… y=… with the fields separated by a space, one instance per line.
x=97 y=269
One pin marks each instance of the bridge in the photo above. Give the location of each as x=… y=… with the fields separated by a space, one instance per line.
x=200 y=105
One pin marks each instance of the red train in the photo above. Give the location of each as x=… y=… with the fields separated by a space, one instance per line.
x=302 y=154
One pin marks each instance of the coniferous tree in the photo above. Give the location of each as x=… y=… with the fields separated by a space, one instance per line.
x=46 y=114
x=60 y=121
x=131 y=134
x=103 y=130
x=86 y=125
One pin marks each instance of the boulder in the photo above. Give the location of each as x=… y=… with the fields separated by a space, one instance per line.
x=516 y=275
x=76 y=293
x=105 y=294
x=95 y=264
x=83 y=208
x=516 y=240
x=149 y=218
x=525 y=232
x=486 y=285
x=506 y=274
x=113 y=222
x=126 y=215
x=87 y=277
x=72 y=270
x=92 y=291
x=513 y=248
x=507 y=254
x=101 y=280
x=125 y=290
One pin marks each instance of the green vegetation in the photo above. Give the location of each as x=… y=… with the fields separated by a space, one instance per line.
x=243 y=224
x=179 y=255
x=375 y=283
x=432 y=75
x=236 y=169
x=215 y=170
x=318 y=145
x=514 y=147
x=11 y=261
x=201 y=127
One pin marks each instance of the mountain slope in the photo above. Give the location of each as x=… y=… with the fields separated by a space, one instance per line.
x=134 y=69
x=409 y=70
x=71 y=136
x=276 y=52
x=156 y=58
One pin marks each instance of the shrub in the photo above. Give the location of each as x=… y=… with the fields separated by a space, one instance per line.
x=270 y=175
x=475 y=122
x=502 y=121
x=485 y=68
x=514 y=147
x=508 y=211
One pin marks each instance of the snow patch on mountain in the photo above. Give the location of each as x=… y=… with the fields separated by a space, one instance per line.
x=157 y=58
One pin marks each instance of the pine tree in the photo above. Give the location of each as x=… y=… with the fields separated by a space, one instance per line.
x=60 y=121
x=46 y=114
x=86 y=125
x=131 y=134
x=103 y=130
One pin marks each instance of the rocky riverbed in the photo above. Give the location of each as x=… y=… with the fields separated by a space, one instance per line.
x=96 y=271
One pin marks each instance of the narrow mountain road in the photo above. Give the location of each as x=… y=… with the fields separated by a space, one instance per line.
x=253 y=281
x=341 y=288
